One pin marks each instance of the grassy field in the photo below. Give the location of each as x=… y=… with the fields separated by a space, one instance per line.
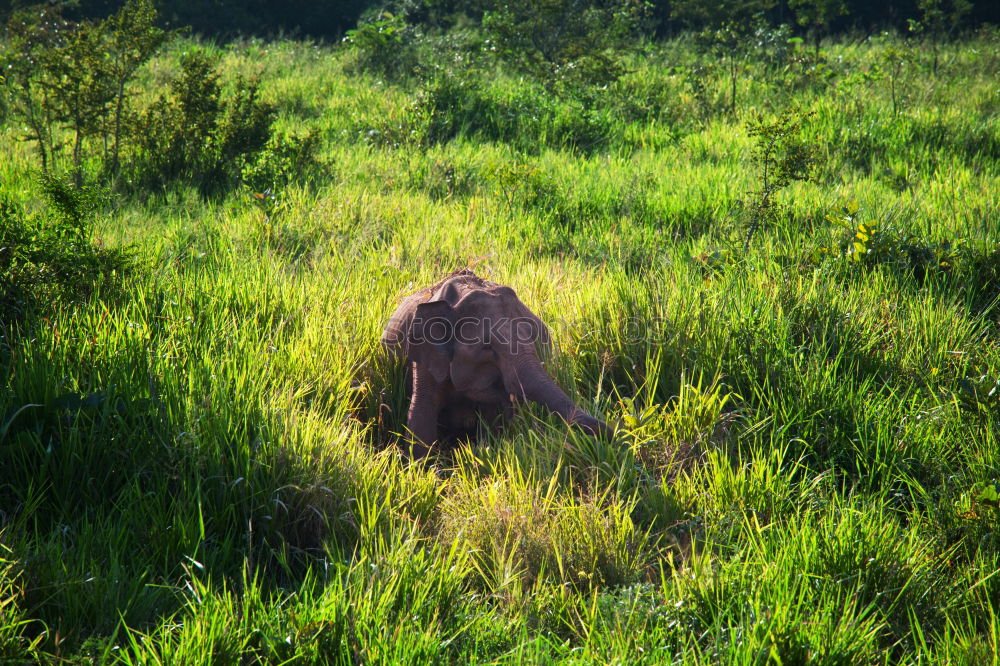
x=201 y=467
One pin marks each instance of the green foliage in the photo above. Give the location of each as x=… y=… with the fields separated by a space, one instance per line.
x=731 y=43
x=868 y=244
x=197 y=135
x=383 y=45
x=206 y=467
x=700 y=14
x=696 y=80
x=576 y=53
x=980 y=395
x=132 y=38
x=809 y=69
x=873 y=243
x=781 y=157
x=562 y=40
x=282 y=160
x=816 y=15
x=74 y=76
x=895 y=59
x=529 y=117
x=57 y=78
x=259 y=19
x=50 y=257
x=939 y=20
x=511 y=178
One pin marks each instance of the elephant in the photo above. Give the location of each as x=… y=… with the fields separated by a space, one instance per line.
x=471 y=344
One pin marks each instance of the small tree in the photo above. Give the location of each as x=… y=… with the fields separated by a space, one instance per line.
x=781 y=157
x=731 y=44
x=938 y=20
x=31 y=37
x=78 y=81
x=728 y=31
x=132 y=39
x=817 y=15
x=74 y=75
x=896 y=58
x=383 y=44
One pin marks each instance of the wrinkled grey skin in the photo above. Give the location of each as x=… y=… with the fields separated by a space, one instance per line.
x=471 y=345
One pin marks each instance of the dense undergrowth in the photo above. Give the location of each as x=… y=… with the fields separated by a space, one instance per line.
x=200 y=464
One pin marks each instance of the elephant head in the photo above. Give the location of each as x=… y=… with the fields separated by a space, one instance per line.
x=473 y=340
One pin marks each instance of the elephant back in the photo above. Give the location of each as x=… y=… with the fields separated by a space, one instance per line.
x=395 y=336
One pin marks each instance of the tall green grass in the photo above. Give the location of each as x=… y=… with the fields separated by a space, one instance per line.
x=203 y=468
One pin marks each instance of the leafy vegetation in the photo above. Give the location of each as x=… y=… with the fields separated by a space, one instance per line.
x=782 y=158
x=51 y=256
x=74 y=75
x=195 y=135
x=785 y=298
x=555 y=39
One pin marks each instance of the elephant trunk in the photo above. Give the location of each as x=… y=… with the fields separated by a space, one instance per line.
x=529 y=381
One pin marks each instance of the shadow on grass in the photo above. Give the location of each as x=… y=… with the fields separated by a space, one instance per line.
x=113 y=500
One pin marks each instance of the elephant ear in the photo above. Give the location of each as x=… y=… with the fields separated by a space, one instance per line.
x=431 y=338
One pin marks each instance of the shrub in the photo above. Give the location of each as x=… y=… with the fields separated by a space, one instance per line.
x=938 y=21
x=781 y=157
x=193 y=133
x=383 y=45
x=133 y=41
x=529 y=118
x=283 y=160
x=866 y=244
x=817 y=15
x=51 y=256
x=896 y=60
x=732 y=43
x=561 y=41
x=74 y=76
x=55 y=79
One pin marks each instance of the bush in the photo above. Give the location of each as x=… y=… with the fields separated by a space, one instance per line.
x=383 y=45
x=564 y=38
x=528 y=118
x=574 y=49
x=781 y=157
x=51 y=256
x=195 y=134
x=75 y=76
x=865 y=245
x=283 y=160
